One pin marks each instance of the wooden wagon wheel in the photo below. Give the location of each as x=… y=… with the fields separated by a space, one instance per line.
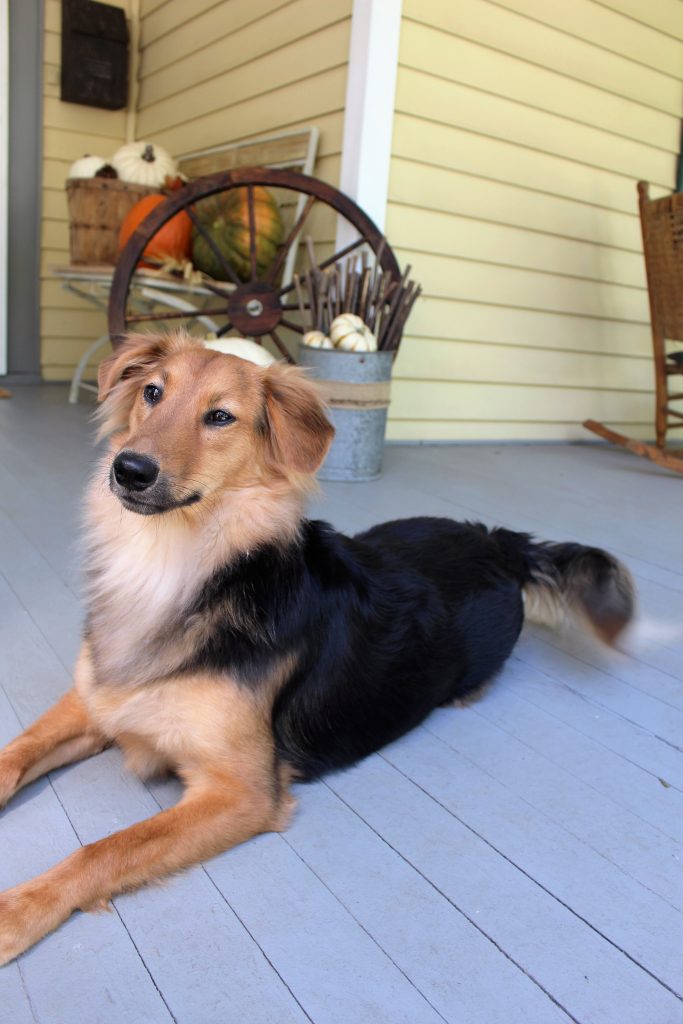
x=259 y=306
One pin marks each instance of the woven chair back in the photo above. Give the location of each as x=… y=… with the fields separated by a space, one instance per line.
x=662 y=225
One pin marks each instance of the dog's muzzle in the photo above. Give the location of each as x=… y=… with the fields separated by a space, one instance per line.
x=137 y=482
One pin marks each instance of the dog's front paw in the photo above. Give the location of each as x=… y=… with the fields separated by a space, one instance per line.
x=27 y=912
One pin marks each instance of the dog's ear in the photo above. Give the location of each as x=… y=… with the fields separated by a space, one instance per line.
x=134 y=356
x=298 y=431
x=118 y=376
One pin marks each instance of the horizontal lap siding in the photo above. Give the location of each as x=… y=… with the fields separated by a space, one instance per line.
x=210 y=73
x=214 y=73
x=68 y=325
x=239 y=69
x=520 y=131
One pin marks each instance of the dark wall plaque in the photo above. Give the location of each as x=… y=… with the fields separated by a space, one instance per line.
x=94 y=54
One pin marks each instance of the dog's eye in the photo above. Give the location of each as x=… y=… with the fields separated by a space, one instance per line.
x=218 y=418
x=152 y=394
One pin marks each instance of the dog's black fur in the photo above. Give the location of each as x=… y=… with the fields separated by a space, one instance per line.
x=384 y=626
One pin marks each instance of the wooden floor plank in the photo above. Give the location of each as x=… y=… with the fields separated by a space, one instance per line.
x=198 y=952
x=15 y=1002
x=494 y=488
x=336 y=970
x=89 y=969
x=651 y=652
x=605 y=690
x=521 y=482
x=636 y=921
x=593 y=763
x=612 y=730
x=32 y=675
x=333 y=966
x=54 y=534
x=588 y=976
x=46 y=454
x=168 y=929
x=52 y=605
x=623 y=839
x=636 y=668
x=422 y=933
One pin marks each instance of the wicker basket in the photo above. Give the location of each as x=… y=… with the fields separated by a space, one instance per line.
x=97 y=208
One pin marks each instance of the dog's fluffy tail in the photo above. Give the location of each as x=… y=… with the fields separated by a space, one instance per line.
x=571 y=583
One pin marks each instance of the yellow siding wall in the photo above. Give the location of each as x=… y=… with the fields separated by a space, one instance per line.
x=68 y=325
x=210 y=73
x=521 y=128
x=213 y=73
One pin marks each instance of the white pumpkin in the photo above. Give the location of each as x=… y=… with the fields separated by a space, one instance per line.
x=86 y=167
x=243 y=349
x=351 y=334
x=317 y=339
x=143 y=163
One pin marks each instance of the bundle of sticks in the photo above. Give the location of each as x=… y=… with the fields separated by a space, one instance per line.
x=382 y=301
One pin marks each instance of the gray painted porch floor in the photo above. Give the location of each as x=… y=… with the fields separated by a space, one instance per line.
x=520 y=860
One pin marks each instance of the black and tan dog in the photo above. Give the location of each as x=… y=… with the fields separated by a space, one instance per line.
x=236 y=643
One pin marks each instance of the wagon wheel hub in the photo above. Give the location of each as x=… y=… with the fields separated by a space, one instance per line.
x=254 y=308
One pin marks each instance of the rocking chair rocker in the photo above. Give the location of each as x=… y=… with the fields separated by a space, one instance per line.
x=661 y=221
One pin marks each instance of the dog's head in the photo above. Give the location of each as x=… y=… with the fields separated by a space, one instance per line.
x=188 y=422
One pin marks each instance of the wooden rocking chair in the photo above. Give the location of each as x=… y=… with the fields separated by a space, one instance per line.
x=661 y=221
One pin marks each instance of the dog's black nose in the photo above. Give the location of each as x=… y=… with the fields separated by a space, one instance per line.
x=135 y=472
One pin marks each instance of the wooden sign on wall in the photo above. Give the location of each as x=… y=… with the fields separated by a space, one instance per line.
x=94 y=54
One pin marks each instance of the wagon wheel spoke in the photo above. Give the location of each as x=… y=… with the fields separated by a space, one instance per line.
x=332 y=259
x=292 y=326
x=224 y=329
x=282 y=348
x=252 y=231
x=225 y=266
x=289 y=241
x=135 y=318
x=216 y=290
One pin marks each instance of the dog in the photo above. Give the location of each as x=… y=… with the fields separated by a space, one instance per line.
x=240 y=645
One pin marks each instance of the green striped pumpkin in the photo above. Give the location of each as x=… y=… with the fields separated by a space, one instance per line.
x=225 y=217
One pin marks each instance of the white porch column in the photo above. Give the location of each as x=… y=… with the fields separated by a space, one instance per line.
x=368 y=121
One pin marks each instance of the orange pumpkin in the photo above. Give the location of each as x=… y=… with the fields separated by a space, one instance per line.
x=172 y=240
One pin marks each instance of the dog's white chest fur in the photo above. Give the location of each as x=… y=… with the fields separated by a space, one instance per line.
x=143 y=573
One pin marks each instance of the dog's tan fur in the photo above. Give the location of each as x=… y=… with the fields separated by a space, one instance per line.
x=216 y=735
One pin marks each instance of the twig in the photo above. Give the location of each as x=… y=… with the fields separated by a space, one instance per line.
x=356 y=286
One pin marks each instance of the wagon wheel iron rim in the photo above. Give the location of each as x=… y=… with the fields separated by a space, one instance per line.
x=259 y=306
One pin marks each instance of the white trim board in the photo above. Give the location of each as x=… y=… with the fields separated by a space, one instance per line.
x=369 y=115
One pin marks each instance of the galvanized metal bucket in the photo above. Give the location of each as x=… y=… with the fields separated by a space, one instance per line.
x=356 y=387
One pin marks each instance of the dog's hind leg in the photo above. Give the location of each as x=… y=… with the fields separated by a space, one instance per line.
x=217 y=812
x=63 y=734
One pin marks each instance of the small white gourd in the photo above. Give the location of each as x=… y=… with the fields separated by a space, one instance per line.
x=143 y=163
x=349 y=333
x=86 y=167
x=317 y=339
x=243 y=349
